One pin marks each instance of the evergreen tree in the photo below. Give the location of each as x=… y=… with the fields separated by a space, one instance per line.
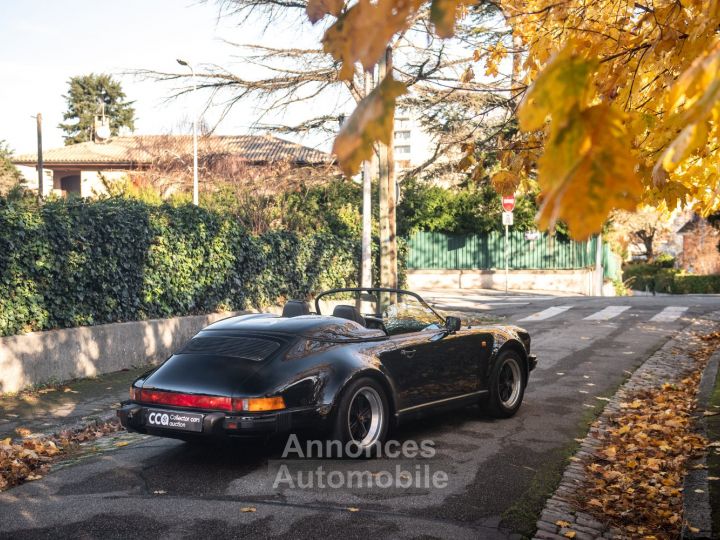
x=9 y=175
x=85 y=97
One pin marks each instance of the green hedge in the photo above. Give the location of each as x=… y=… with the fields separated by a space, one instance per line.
x=79 y=262
x=647 y=277
x=688 y=284
x=659 y=278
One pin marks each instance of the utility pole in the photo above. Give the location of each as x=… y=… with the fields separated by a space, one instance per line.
x=388 y=241
x=195 y=196
x=41 y=174
x=366 y=257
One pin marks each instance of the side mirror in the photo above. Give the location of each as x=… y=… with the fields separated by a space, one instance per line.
x=452 y=324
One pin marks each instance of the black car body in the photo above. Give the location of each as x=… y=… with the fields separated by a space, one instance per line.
x=261 y=374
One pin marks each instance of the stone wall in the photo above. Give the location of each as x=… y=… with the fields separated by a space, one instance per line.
x=58 y=355
x=573 y=281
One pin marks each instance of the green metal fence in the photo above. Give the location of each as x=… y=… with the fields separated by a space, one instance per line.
x=431 y=250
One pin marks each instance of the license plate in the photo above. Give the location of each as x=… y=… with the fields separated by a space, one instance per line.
x=173 y=420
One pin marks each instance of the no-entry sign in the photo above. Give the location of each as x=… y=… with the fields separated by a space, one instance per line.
x=508 y=203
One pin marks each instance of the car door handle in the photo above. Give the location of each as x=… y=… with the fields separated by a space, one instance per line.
x=408 y=353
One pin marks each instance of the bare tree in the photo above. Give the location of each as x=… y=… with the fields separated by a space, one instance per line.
x=450 y=102
x=168 y=168
x=646 y=228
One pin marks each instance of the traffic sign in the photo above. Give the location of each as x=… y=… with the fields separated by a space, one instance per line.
x=507 y=218
x=508 y=203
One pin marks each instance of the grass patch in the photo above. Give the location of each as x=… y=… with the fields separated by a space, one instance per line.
x=522 y=516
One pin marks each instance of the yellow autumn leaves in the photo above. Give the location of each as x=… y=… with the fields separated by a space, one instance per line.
x=651 y=70
x=372 y=121
x=586 y=163
x=24 y=461
x=29 y=459
x=635 y=478
x=622 y=97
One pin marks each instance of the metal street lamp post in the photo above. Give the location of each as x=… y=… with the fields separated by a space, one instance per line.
x=195 y=150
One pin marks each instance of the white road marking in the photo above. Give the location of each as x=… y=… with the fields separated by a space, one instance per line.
x=546 y=313
x=669 y=314
x=607 y=313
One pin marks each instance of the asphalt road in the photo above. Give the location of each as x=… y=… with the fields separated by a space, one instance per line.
x=498 y=471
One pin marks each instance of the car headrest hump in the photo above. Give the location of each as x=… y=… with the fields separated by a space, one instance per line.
x=350 y=313
x=295 y=308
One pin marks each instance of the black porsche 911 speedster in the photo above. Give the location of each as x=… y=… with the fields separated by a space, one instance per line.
x=384 y=355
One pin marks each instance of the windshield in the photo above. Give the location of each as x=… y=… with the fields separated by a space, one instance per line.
x=392 y=311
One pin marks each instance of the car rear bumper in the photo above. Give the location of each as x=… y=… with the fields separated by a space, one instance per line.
x=532 y=361
x=133 y=417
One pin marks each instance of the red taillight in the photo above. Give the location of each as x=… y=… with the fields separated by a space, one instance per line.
x=195 y=401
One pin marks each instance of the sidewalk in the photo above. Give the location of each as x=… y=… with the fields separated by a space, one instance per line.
x=51 y=410
x=576 y=510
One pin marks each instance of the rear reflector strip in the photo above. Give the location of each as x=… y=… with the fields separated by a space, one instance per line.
x=199 y=401
x=196 y=401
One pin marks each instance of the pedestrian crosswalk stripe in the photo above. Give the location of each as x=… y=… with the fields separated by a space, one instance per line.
x=669 y=314
x=546 y=313
x=607 y=313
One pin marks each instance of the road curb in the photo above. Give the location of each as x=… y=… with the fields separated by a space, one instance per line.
x=560 y=515
x=696 y=499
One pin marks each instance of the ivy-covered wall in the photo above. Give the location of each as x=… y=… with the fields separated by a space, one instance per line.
x=80 y=262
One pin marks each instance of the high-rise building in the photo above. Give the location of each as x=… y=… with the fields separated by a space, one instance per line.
x=412 y=146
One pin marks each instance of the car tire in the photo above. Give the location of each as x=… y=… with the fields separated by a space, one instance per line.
x=362 y=418
x=507 y=385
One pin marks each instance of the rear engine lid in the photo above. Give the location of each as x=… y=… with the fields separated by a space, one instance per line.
x=252 y=348
x=214 y=364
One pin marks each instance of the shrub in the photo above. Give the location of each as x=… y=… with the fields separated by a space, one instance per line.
x=79 y=262
x=460 y=210
x=664 y=261
x=658 y=277
x=688 y=284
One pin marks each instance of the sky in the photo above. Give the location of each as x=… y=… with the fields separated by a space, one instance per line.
x=43 y=43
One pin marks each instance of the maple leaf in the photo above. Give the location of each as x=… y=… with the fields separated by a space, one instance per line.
x=361 y=33
x=505 y=182
x=468 y=75
x=562 y=86
x=493 y=57
x=317 y=9
x=587 y=170
x=372 y=121
x=443 y=14
x=624 y=429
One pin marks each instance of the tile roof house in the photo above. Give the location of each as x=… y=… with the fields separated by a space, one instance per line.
x=78 y=168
